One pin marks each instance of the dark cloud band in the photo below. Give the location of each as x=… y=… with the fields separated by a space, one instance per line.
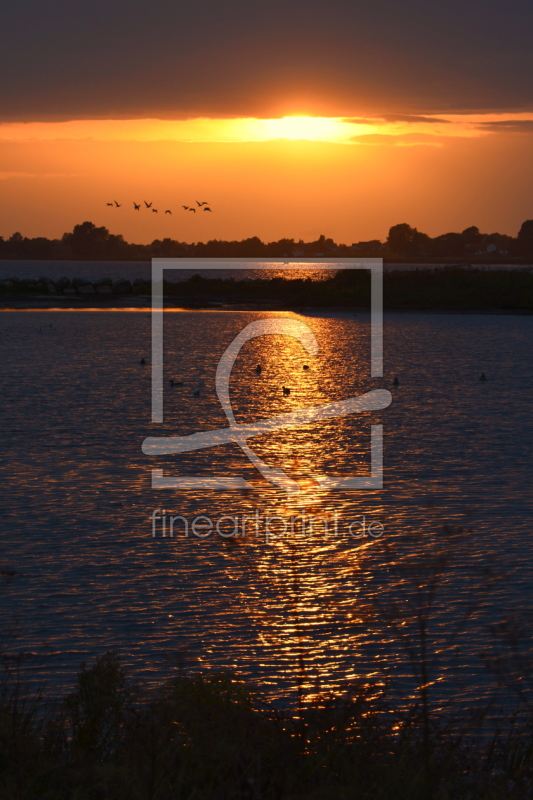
x=133 y=58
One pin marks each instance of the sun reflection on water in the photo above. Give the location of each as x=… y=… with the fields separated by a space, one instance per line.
x=301 y=592
x=294 y=612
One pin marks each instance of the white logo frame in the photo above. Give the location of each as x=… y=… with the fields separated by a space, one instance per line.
x=375 y=400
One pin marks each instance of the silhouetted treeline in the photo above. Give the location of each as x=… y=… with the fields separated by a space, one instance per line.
x=403 y=243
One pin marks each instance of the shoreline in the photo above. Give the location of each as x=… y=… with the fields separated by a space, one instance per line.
x=144 y=302
x=455 y=291
x=517 y=263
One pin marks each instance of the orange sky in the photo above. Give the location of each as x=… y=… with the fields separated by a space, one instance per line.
x=298 y=178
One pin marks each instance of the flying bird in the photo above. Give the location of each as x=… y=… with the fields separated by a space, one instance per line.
x=186 y=208
x=193 y=210
x=203 y=203
x=154 y=210
x=168 y=211
x=148 y=205
x=137 y=207
x=118 y=205
x=109 y=204
x=207 y=209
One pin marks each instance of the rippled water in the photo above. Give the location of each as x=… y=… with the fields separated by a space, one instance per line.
x=132 y=270
x=297 y=612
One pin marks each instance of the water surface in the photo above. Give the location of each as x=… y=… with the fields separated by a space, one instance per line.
x=296 y=612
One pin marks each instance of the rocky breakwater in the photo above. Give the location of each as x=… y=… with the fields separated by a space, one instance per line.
x=77 y=292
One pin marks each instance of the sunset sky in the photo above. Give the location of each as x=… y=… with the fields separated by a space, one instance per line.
x=292 y=119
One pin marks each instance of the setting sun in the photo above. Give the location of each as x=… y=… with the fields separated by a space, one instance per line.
x=312 y=128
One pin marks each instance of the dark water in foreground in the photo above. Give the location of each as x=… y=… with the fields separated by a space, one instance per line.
x=296 y=610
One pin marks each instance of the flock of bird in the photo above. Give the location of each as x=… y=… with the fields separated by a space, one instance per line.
x=204 y=205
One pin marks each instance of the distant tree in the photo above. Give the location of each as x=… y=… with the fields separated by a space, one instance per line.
x=87 y=241
x=15 y=246
x=406 y=241
x=324 y=246
x=471 y=234
x=449 y=245
x=40 y=247
x=214 y=248
x=371 y=248
x=166 y=248
x=250 y=248
x=400 y=238
x=525 y=239
x=114 y=246
x=472 y=240
x=281 y=248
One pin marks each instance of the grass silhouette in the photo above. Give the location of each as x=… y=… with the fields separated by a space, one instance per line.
x=210 y=735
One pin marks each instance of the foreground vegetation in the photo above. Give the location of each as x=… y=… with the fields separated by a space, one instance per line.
x=210 y=736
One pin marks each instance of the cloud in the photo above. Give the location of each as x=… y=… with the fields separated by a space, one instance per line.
x=131 y=59
x=363 y=120
x=384 y=118
x=413 y=118
x=508 y=126
x=404 y=139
